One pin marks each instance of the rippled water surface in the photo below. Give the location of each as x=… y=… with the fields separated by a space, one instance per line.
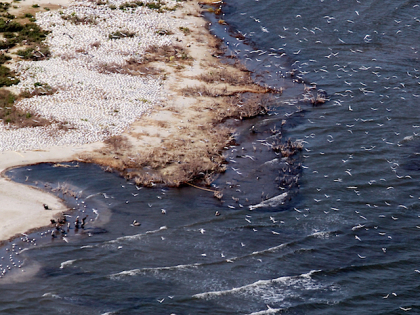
x=346 y=243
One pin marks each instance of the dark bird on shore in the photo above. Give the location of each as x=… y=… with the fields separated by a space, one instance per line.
x=53 y=221
x=84 y=222
x=46 y=206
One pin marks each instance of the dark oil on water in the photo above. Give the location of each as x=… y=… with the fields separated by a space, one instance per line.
x=345 y=243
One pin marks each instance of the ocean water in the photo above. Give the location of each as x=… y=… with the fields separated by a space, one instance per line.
x=346 y=242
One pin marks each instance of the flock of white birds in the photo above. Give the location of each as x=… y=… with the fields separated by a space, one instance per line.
x=96 y=104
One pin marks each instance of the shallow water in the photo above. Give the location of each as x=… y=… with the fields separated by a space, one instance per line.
x=346 y=243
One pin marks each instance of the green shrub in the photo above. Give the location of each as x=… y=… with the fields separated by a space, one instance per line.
x=32 y=33
x=8 y=35
x=4 y=58
x=9 y=43
x=4 y=6
x=7 y=78
x=26 y=53
x=7 y=26
x=154 y=6
x=31 y=54
x=9 y=16
x=185 y=30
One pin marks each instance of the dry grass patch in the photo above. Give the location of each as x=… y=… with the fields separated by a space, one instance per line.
x=118 y=143
x=16 y=117
x=241 y=107
x=166 y=54
x=176 y=161
x=203 y=90
x=225 y=76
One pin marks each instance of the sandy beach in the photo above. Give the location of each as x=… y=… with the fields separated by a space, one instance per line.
x=158 y=89
x=22 y=206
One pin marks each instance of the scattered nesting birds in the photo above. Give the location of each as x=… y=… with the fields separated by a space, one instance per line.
x=93 y=97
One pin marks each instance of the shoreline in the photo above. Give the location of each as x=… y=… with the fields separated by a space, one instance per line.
x=182 y=135
x=22 y=205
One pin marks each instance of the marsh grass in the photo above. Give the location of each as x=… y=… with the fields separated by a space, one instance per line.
x=29 y=34
x=166 y=54
x=39 y=89
x=176 y=162
x=241 y=107
x=7 y=77
x=4 y=6
x=225 y=76
x=185 y=30
x=158 y=5
x=134 y=67
x=15 y=117
x=118 y=143
x=34 y=54
x=194 y=154
x=202 y=90
x=77 y=20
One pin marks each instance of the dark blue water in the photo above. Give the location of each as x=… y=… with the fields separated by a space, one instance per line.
x=346 y=243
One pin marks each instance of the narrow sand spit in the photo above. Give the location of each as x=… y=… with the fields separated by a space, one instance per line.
x=147 y=82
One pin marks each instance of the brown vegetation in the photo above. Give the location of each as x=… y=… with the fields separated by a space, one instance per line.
x=225 y=76
x=118 y=143
x=176 y=162
x=15 y=117
x=190 y=154
x=166 y=54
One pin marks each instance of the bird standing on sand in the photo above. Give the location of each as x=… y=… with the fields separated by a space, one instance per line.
x=77 y=222
x=46 y=206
